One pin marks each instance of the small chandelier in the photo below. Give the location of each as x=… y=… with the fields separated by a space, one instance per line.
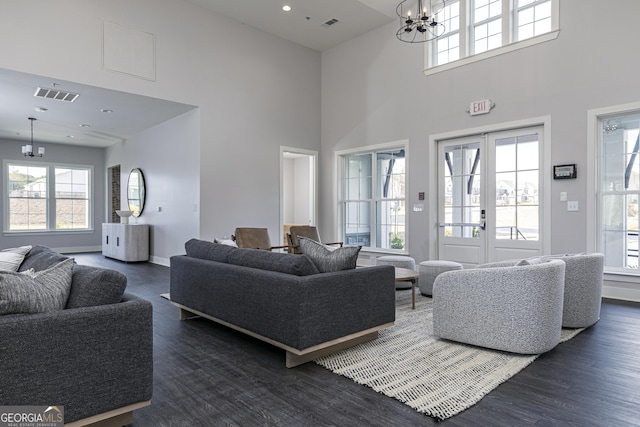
x=27 y=150
x=419 y=27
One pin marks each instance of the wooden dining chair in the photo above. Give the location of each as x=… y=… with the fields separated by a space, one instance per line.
x=254 y=238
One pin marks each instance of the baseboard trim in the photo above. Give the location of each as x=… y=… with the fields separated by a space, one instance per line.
x=160 y=261
x=78 y=249
x=625 y=294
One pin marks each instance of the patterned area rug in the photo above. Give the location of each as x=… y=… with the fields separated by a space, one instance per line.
x=435 y=377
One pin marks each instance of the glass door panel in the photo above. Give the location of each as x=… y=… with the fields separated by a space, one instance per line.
x=489 y=191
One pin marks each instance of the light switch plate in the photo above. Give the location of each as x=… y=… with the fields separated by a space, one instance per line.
x=572 y=206
x=563 y=196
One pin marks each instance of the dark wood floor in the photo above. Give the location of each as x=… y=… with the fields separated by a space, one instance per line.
x=209 y=375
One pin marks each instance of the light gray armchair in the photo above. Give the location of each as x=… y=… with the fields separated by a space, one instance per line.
x=582 y=286
x=582 y=289
x=516 y=309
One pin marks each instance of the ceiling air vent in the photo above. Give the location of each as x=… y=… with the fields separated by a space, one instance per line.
x=56 y=94
x=330 y=22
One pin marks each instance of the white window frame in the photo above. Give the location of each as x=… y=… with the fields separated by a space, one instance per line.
x=473 y=25
x=509 y=31
x=51 y=198
x=372 y=149
x=594 y=137
x=460 y=33
x=618 y=284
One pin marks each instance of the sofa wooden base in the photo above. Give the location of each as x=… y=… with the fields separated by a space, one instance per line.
x=115 y=418
x=295 y=357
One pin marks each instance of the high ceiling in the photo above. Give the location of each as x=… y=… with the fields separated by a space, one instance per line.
x=304 y=24
x=62 y=121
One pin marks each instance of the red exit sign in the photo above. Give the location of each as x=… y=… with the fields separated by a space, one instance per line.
x=480 y=107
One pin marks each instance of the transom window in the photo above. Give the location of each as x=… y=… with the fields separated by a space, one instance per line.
x=473 y=27
x=374 y=198
x=487 y=25
x=30 y=206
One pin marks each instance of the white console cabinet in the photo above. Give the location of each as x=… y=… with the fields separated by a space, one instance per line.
x=126 y=242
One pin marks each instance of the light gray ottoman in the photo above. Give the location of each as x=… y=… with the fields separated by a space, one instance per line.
x=429 y=270
x=401 y=261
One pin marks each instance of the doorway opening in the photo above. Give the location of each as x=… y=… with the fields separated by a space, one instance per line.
x=298 y=188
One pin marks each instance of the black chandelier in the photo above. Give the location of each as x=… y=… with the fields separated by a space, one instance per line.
x=419 y=27
x=27 y=150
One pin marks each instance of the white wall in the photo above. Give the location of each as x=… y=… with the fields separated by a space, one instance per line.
x=172 y=184
x=374 y=91
x=255 y=92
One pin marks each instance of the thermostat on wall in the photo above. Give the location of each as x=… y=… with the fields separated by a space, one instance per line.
x=564 y=171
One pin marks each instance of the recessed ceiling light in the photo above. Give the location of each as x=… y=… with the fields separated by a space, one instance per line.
x=286 y=8
x=85 y=126
x=70 y=136
x=40 y=109
x=106 y=110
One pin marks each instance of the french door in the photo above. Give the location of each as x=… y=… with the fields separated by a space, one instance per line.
x=489 y=193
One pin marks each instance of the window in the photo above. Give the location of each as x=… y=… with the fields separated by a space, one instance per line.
x=374 y=200
x=517 y=188
x=533 y=18
x=30 y=205
x=473 y=27
x=619 y=191
x=487 y=25
x=72 y=198
x=448 y=45
x=27 y=186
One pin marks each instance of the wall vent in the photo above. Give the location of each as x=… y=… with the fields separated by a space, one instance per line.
x=330 y=22
x=56 y=94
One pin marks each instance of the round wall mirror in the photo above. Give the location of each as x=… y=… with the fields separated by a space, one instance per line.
x=136 y=192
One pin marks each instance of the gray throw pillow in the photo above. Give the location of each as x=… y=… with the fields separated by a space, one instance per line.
x=36 y=292
x=40 y=258
x=10 y=259
x=298 y=265
x=328 y=258
x=91 y=286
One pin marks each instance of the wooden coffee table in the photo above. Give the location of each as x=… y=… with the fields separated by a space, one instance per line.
x=407 y=275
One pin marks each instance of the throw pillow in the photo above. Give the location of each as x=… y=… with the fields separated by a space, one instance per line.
x=10 y=259
x=38 y=292
x=91 y=286
x=298 y=265
x=227 y=242
x=522 y=262
x=328 y=258
x=40 y=258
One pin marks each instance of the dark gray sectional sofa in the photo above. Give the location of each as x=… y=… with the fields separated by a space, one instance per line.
x=282 y=298
x=95 y=357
